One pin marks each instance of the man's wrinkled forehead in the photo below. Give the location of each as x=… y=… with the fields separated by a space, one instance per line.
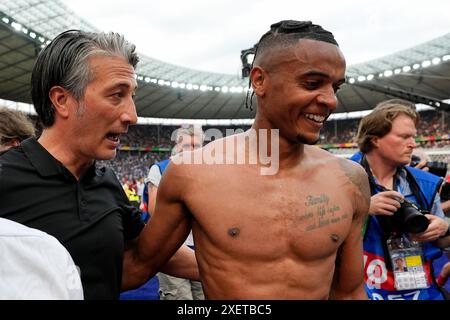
x=100 y=64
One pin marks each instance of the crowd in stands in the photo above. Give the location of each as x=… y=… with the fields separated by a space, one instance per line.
x=148 y=136
x=431 y=123
x=134 y=165
x=339 y=131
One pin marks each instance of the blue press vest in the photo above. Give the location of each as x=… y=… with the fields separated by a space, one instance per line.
x=379 y=281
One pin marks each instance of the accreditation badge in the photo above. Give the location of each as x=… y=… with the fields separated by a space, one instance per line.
x=407 y=263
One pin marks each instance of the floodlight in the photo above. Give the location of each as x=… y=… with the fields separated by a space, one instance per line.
x=436 y=60
x=426 y=63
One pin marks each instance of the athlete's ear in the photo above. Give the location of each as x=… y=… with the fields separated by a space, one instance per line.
x=258 y=78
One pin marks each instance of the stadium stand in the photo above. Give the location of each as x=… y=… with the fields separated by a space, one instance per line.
x=147 y=144
x=169 y=91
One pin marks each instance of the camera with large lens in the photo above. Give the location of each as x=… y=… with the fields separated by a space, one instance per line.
x=409 y=218
x=438 y=168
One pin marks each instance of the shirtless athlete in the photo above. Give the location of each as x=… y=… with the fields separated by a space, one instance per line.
x=295 y=234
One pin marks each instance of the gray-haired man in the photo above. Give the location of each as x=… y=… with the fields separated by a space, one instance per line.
x=82 y=89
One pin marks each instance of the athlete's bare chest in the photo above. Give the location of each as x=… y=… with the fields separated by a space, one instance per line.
x=297 y=216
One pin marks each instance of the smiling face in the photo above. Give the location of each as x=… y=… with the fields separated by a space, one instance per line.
x=106 y=110
x=296 y=87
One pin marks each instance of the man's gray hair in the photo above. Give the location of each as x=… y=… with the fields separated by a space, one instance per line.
x=64 y=62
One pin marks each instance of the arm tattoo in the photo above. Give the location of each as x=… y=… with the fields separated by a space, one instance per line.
x=358 y=178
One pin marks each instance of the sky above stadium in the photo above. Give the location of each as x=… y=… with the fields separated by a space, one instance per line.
x=210 y=34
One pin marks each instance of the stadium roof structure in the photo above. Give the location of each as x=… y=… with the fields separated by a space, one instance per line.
x=420 y=74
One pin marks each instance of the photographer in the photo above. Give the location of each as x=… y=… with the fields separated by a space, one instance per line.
x=406 y=219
